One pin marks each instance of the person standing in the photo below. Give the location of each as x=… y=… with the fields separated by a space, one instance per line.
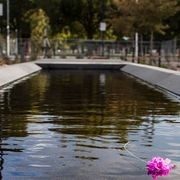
x=46 y=47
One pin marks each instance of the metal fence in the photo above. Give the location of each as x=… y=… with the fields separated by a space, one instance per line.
x=164 y=54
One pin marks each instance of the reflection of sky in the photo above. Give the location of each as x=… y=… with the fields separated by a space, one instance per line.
x=85 y=136
x=102 y=79
x=90 y=153
x=165 y=141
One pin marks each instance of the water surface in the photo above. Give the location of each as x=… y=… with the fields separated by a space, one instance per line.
x=74 y=125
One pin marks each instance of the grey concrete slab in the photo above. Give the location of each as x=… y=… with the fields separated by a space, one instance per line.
x=166 y=79
x=172 y=84
x=147 y=73
x=11 y=73
x=81 y=64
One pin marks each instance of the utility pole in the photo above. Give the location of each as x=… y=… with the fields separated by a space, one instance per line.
x=16 y=41
x=136 y=46
x=8 y=31
x=102 y=24
x=136 y=53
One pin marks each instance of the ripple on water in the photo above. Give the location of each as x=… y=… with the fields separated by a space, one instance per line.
x=68 y=124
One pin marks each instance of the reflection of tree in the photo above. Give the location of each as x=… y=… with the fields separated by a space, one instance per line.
x=26 y=96
x=12 y=121
x=149 y=131
x=1 y=151
x=88 y=103
x=1 y=126
x=90 y=109
x=1 y=164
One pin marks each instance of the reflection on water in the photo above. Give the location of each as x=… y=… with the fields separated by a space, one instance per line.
x=74 y=124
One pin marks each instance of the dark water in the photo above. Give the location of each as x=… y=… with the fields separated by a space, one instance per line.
x=74 y=125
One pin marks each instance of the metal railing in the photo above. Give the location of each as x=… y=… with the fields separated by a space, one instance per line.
x=164 y=54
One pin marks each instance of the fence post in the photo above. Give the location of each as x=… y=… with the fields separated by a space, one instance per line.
x=159 y=55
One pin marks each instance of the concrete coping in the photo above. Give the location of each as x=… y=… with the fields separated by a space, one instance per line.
x=162 y=78
x=11 y=73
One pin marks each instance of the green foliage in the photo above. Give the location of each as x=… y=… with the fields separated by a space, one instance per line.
x=151 y=14
x=77 y=30
x=83 y=17
x=52 y=10
x=59 y=40
x=144 y=16
x=106 y=35
x=109 y=34
x=39 y=24
x=173 y=23
x=87 y=14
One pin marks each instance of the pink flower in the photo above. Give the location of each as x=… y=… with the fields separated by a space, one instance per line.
x=159 y=167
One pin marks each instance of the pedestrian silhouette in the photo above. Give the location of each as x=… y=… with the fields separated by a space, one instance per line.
x=46 y=47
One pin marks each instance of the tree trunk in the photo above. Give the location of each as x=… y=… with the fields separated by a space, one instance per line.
x=151 y=41
x=151 y=46
x=141 y=46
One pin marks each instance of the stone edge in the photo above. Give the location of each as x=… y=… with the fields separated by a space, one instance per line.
x=161 y=78
x=12 y=73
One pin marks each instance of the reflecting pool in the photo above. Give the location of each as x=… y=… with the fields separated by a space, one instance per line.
x=75 y=124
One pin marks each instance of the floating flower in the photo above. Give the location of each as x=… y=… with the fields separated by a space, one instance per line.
x=159 y=167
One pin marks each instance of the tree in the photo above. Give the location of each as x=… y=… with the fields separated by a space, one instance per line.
x=93 y=12
x=83 y=16
x=51 y=8
x=144 y=16
x=17 y=10
x=39 y=23
x=173 y=24
x=88 y=14
x=151 y=16
x=82 y=11
x=122 y=17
